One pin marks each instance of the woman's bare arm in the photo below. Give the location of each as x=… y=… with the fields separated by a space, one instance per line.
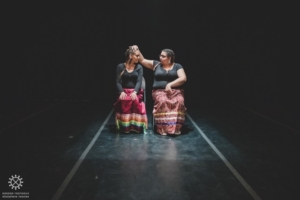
x=177 y=82
x=145 y=62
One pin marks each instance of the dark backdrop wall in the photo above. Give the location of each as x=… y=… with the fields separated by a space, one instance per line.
x=240 y=51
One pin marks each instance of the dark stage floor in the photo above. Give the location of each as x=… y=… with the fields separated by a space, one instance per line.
x=69 y=150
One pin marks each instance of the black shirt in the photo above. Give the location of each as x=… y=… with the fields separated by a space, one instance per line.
x=129 y=79
x=162 y=77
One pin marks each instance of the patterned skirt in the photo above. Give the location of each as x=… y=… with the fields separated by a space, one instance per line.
x=131 y=114
x=169 y=110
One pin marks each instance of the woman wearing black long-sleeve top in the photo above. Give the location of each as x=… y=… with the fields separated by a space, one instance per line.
x=130 y=109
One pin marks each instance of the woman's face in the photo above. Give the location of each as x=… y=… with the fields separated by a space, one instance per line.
x=135 y=57
x=164 y=59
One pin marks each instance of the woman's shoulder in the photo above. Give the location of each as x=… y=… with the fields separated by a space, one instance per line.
x=120 y=65
x=138 y=66
x=177 y=66
x=155 y=62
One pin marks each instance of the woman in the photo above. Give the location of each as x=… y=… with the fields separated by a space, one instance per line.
x=169 y=109
x=130 y=109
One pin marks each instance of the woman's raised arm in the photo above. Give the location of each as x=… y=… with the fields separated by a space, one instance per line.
x=145 y=62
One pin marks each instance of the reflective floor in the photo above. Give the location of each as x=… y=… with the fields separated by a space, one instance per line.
x=70 y=150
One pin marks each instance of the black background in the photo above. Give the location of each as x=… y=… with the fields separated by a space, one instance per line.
x=244 y=52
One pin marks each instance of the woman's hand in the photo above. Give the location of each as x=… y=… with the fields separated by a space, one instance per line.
x=135 y=47
x=133 y=95
x=122 y=95
x=168 y=88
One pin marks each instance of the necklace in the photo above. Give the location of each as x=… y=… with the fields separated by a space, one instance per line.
x=168 y=68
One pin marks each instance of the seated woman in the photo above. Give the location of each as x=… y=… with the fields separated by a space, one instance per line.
x=168 y=96
x=130 y=109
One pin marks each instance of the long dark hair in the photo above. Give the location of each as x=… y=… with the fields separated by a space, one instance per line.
x=170 y=54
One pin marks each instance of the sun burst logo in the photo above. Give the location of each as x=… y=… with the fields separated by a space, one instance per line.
x=15 y=182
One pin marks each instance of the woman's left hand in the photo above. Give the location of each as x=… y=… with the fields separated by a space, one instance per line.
x=133 y=95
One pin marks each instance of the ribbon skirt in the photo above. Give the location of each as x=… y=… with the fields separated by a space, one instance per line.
x=169 y=110
x=131 y=114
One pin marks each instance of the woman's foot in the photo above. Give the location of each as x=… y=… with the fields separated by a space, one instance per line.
x=177 y=133
x=163 y=134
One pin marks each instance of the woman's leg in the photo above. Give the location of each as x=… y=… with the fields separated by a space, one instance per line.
x=131 y=114
x=169 y=111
